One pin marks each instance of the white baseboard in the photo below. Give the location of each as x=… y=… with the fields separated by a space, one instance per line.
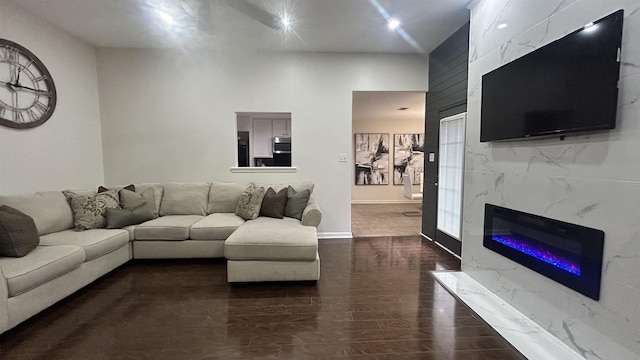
x=426 y=237
x=335 y=235
x=367 y=202
x=437 y=243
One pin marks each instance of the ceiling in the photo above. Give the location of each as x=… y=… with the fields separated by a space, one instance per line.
x=317 y=25
x=383 y=105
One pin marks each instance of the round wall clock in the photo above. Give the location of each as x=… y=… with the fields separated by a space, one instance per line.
x=27 y=91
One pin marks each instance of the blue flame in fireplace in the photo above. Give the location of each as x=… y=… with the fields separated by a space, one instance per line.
x=539 y=253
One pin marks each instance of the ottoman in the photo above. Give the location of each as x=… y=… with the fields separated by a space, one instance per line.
x=268 y=249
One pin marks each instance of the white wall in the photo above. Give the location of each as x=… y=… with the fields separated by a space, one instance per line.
x=170 y=115
x=384 y=193
x=590 y=180
x=66 y=151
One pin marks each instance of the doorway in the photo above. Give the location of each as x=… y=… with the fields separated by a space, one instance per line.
x=387 y=137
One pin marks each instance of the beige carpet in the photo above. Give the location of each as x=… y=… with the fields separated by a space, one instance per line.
x=384 y=220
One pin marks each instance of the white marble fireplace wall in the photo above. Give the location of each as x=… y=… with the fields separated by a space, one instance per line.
x=591 y=180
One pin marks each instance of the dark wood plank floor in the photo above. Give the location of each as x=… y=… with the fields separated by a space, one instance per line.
x=376 y=299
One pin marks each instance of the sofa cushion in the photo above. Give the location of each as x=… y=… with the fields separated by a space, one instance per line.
x=185 y=199
x=273 y=203
x=158 y=192
x=41 y=265
x=88 y=211
x=82 y=192
x=272 y=239
x=131 y=229
x=224 y=196
x=216 y=226
x=119 y=218
x=49 y=210
x=170 y=227
x=18 y=233
x=95 y=242
x=249 y=203
x=296 y=203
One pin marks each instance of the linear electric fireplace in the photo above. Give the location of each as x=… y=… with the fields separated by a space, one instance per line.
x=567 y=253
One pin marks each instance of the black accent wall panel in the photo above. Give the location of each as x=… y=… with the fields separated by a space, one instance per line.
x=448 y=79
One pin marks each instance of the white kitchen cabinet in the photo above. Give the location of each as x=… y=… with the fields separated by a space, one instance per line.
x=282 y=127
x=262 y=135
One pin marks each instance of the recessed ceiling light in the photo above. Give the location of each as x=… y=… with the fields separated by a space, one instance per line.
x=502 y=26
x=285 y=22
x=403 y=108
x=393 y=24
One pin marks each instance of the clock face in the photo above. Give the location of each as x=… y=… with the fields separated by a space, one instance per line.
x=27 y=91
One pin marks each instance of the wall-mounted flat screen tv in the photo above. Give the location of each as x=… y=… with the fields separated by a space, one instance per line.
x=567 y=86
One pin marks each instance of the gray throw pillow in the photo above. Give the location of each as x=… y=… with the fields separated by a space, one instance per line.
x=250 y=202
x=18 y=233
x=296 y=202
x=130 y=199
x=273 y=203
x=130 y=187
x=119 y=218
x=88 y=211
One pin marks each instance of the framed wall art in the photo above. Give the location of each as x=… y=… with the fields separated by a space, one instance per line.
x=408 y=157
x=372 y=159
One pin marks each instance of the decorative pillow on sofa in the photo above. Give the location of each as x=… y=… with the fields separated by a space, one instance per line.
x=130 y=199
x=296 y=202
x=273 y=203
x=88 y=211
x=18 y=233
x=119 y=218
x=156 y=194
x=250 y=203
x=130 y=187
x=300 y=186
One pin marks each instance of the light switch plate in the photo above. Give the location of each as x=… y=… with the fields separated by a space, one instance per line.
x=432 y=157
x=343 y=157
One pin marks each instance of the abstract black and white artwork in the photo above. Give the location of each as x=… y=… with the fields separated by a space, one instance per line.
x=408 y=157
x=372 y=159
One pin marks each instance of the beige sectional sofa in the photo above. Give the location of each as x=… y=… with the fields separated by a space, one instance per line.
x=196 y=220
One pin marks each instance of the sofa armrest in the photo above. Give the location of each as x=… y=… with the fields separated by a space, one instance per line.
x=4 y=303
x=312 y=214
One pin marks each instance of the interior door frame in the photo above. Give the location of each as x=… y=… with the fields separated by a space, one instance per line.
x=430 y=187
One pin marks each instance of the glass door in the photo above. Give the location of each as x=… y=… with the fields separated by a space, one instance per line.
x=450 y=177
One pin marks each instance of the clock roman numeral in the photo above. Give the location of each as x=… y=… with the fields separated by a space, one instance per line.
x=42 y=107
x=26 y=66
x=32 y=115
x=17 y=116
x=7 y=54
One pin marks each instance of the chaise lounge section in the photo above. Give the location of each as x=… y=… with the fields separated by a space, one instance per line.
x=267 y=249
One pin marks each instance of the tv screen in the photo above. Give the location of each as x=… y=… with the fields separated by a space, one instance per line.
x=567 y=86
